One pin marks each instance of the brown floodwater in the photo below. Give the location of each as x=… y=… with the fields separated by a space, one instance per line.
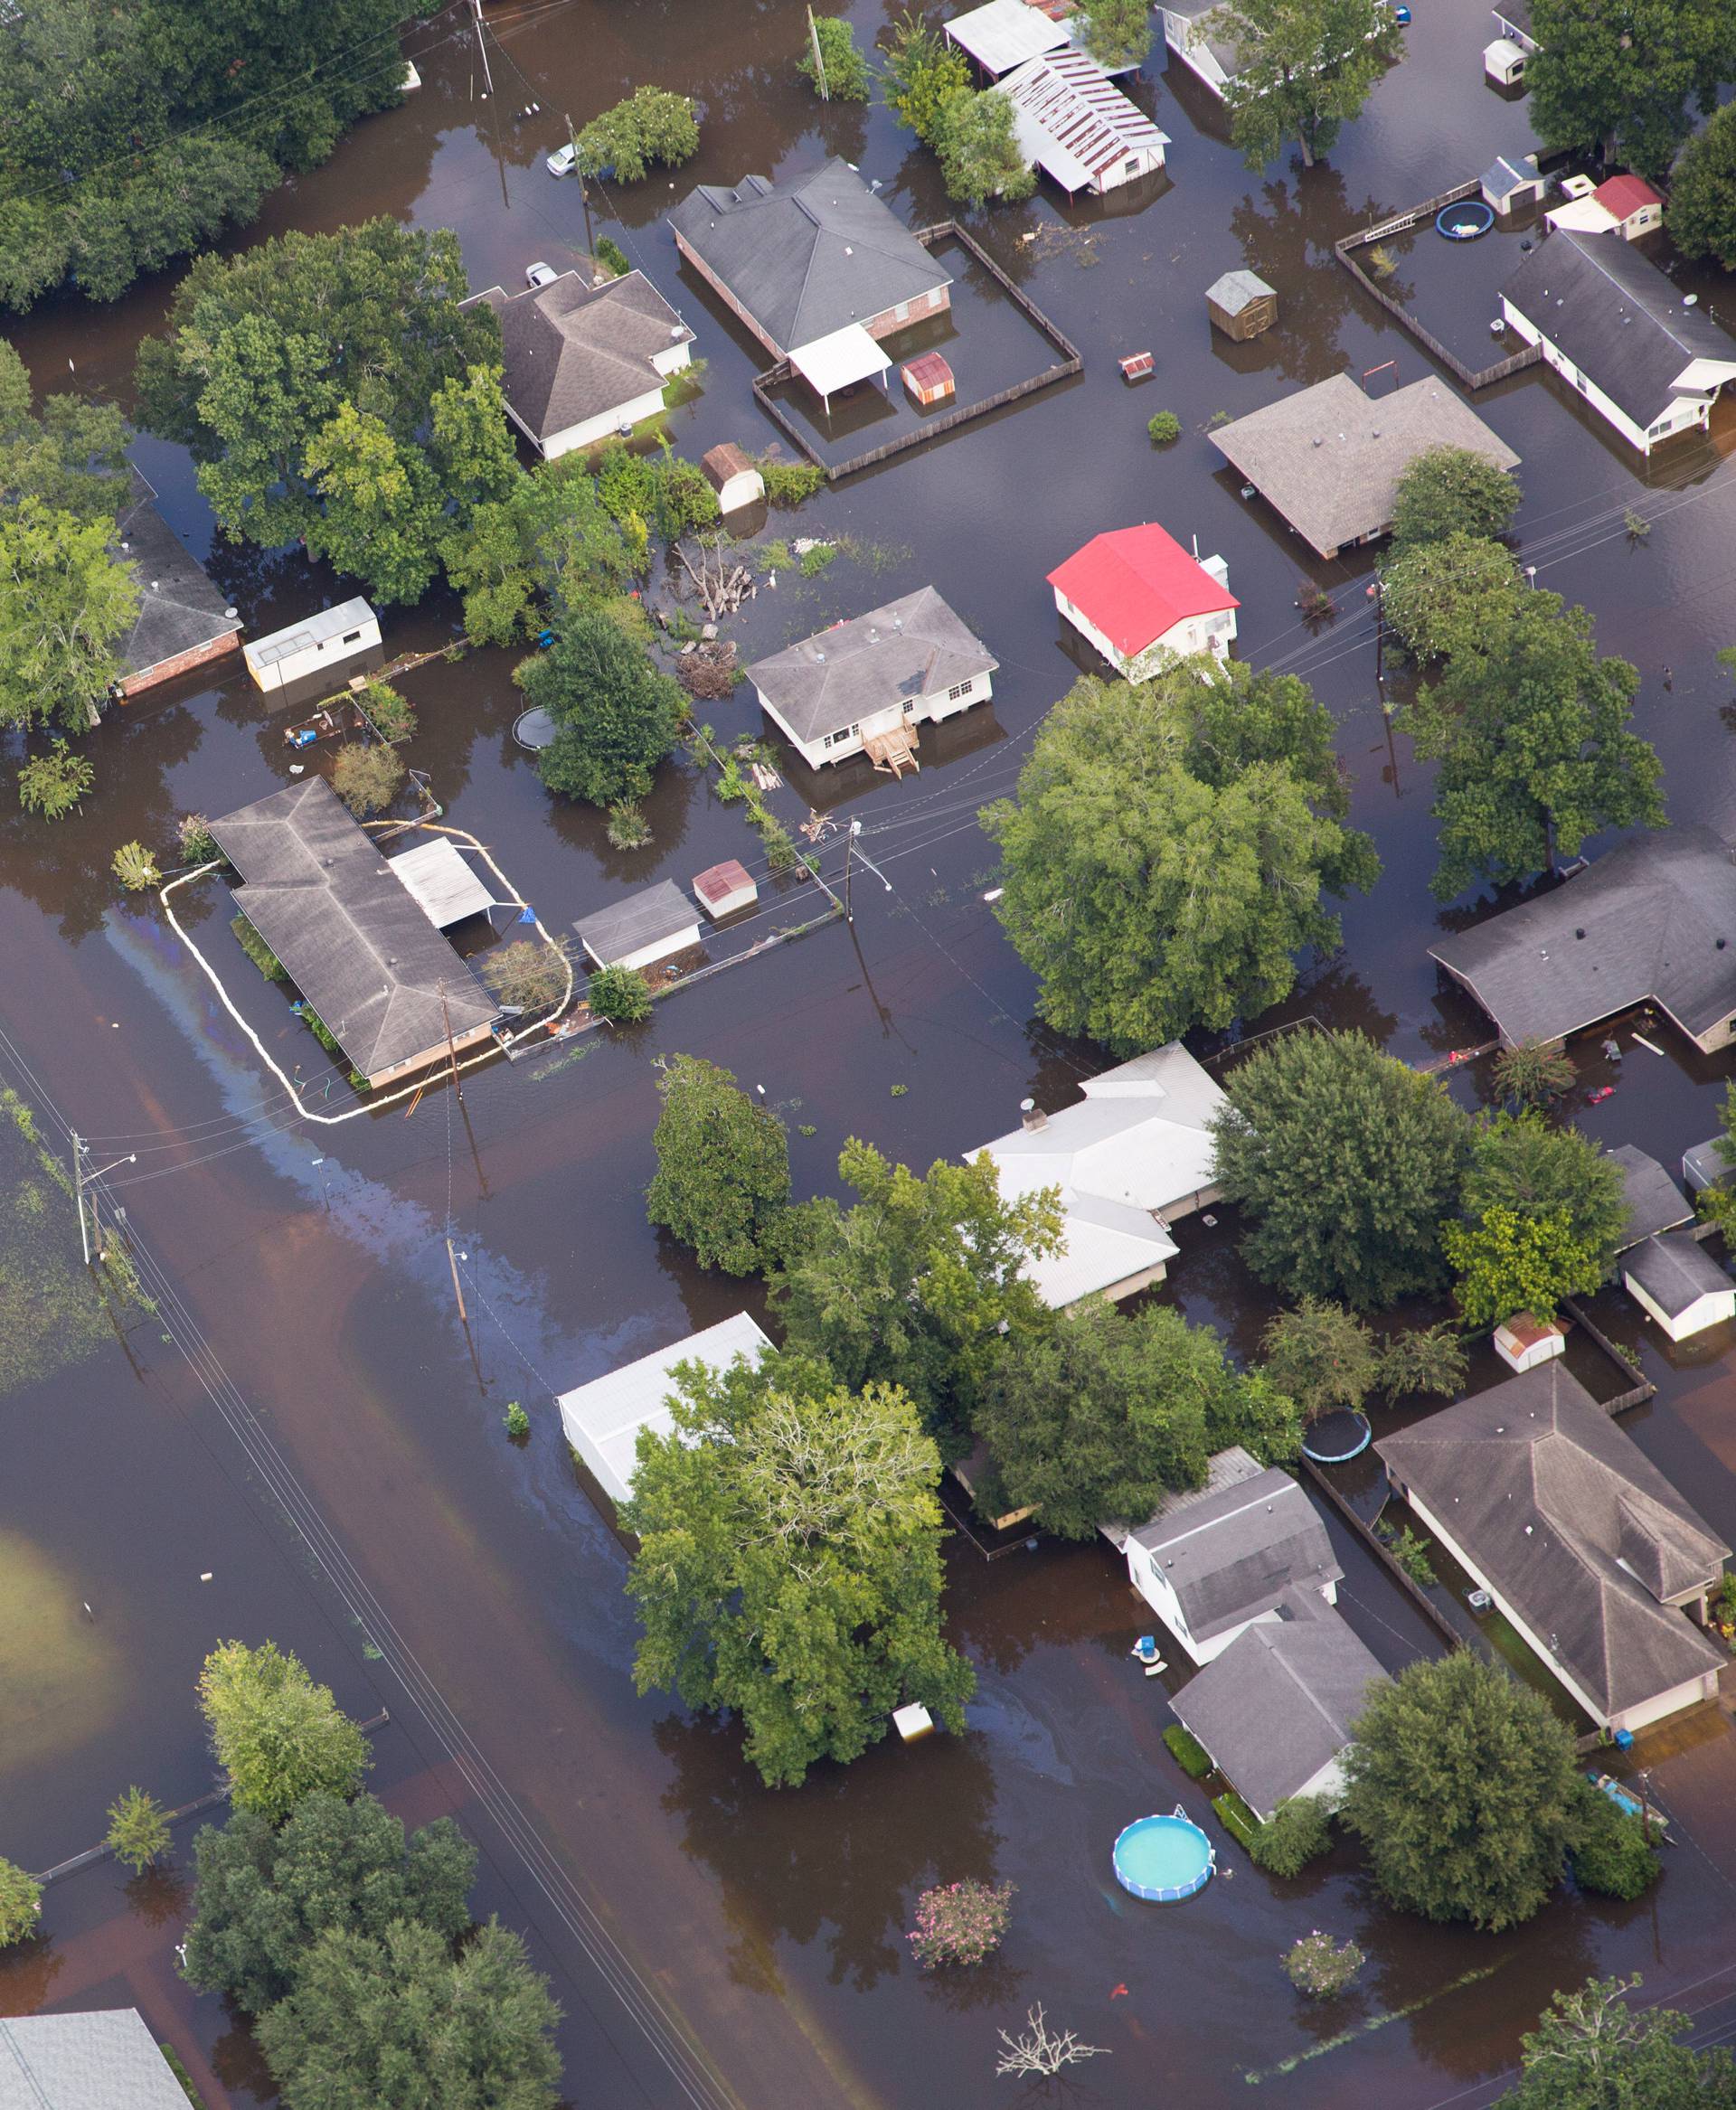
x=306 y=1419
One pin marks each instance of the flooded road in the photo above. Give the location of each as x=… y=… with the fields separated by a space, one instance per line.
x=318 y=1416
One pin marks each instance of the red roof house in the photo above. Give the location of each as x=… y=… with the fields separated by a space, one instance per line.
x=1136 y=593
x=1632 y=203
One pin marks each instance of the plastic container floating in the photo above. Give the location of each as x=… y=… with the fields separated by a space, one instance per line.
x=1164 y=1859
x=1464 y=218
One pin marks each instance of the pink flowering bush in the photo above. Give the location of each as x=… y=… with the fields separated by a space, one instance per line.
x=961 y=1923
x=1321 y=1967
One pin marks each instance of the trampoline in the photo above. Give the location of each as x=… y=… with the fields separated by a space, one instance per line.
x=1464 y=218
x=1164 y=1859
x=533 y=729
x=1336 y=1436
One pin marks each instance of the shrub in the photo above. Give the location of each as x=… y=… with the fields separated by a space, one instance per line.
x=789 y=482
x=961 y=1923
x=781 y=844
x=54 y=784
x=392 y=717
x=178 y=2068
x=1422 y=1358
x=1297 y=1831
x=1187 y=1751
x=138 y=1833
x=1534 y=1074
x=198 y=845
x=1320 y=1967
x=527 y=973
x=366 y=778
x=1610 y=1851
x=135 y=868
x=846 y=71
x=1411 y=1553
x=815 y=560
x=620 y=996
x=1237 y=1819
x=1164 y=427
x=627 y=827
x=21 y=1902
x=649 y=126
x=612 y=257
x=518 y=1423
x=258 y=951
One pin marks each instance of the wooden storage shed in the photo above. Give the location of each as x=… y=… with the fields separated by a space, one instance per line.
x=732 y=475
x=1242 y=305
x=929 y=379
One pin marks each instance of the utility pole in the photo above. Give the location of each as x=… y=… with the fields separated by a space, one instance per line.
x=79 y=1178
x=464 y=1316
x=584 y=195
x=855 y=829
x=820 y=58
x=482 y=45
x=452 y=1052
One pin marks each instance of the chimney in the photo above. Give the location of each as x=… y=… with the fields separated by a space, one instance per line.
x=1032 y=1115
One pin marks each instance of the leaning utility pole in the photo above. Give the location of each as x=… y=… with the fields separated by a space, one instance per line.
x=79 y=1178
x=820 y=58
x=452 y=1052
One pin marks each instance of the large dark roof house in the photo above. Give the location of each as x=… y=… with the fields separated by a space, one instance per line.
x=182 y=621
x=1653 y=922
x=365 y=955
x=1584 y=1545
x=817 y=267
x=1213 y=1560
x=105 y=2058
x=581 y=362
x=1655 y=1204
x=865 y=686
x=1615 y=328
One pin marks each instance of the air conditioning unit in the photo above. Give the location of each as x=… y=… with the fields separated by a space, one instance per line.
x=1480 y=1601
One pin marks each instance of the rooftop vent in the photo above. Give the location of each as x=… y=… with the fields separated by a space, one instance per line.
x=1032 y=1115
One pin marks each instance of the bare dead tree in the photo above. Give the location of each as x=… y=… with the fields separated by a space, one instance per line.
x=721 y=581
x=1038 y=2050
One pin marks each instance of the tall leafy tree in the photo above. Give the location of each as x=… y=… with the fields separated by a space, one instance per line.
x=378 y=507
x=1345 y=1162
x=266 y=1892
x=1322 y=1355
x=21 y=1901
x=1593 y=2050
x=1621 y=76
x=1703 y=191
x=1511 y=1260
x=67 y=603
x=916 y=1285
x=1462 y=1785
x=395 y=2023
x=1106 y=1413
x=1519 y=1162
x=1304 y=69
x=650 y=128
x=616 y=714
x=1452 y=491
x=70 y=455
x=547 y=536
x=1117 y=32
x=721 y=1184
x=1439 y=595
x=1163 y=863
x=925 y=74
x=1532 y=731
x=789 y=1561
x=980 y=156
x=277 y=1736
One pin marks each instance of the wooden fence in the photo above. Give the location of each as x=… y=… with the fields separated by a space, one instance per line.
x=1636 y=1395
x=1383 y=1552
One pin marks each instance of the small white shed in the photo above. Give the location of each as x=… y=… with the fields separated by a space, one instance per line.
x=1674 y=1279
x=1505 y=63
x=316 y=645
x=1524 y=1341
x=646 y=928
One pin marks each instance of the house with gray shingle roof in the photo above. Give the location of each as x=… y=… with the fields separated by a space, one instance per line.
x=182 y=621
x=1655 y=1204
x=1581 y=1541
x=105 y=2060
x=581 y=362
x=1675 y=1280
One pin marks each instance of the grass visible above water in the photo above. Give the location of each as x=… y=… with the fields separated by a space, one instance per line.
x=51 y=1312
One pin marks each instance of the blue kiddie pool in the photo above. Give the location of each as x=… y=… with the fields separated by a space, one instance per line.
x=1164 y=1858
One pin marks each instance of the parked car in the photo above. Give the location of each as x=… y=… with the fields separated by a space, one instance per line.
x=540 y=274
x=559 y=163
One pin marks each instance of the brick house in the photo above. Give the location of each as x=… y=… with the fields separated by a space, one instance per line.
x=182 y=621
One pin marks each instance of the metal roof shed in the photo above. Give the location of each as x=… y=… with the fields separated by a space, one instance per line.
x=646 y=928
x=313 y=646
x=1004 y=33
x=835 y=362
x=440 y=883
x=602 y=1420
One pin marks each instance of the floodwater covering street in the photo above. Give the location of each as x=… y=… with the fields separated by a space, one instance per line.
x=305 y=1417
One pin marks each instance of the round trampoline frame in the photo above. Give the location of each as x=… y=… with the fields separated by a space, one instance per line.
x=1478 y=205
x=529 y=728
x=1341 y=1457
x=1165 y=1893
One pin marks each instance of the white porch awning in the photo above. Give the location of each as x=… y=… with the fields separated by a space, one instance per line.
x=440 y=883
x=832 y=363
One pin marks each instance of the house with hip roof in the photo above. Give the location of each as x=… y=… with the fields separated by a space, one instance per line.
x=865 y=686
x=816 y=267
x=1213 y=1562
x=1074 y=124
x=1584 y=1545
x=581 y=362
x=1615 y=328
x=1132 y=1157
x=1137 y=596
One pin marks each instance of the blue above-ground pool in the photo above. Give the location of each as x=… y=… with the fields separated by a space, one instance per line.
x=1164 y=1858
x=1464 y=219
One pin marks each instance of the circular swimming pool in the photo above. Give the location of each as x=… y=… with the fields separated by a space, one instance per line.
x=1164 y=1858
x=1464 y=219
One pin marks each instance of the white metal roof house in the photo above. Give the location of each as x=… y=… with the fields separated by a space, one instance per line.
x=1003 y=33
x=315 y=646
x=1615 y=328
x=1075 y=125
x=863 y=687
x=602 y=1420
x=1132 y=1157
x=1213 y=1560
x=103 y=2059
x=1212 y=58
x=581 y=362
x=653 y=925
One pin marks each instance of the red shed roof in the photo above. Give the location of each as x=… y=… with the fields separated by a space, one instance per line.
x=717 y=882
x=931 y=371
x=1137 y=583
x=1625 y=194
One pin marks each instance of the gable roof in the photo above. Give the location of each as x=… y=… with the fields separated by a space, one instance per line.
x=1329 y=457
x=1572 y=1525
x=1239 y=289
x=1278 y=1705
x=647 y=917
x=1675 y=1271
x=1072 y=120
x=1232 y=1554
x=1625 y=194
x=807 y=257
x=104 y=2059
x=179 y=609
x=1136 y=583
x=571 y=352
x=910 y=647
x=1614 y=313
x=1655 y=914
x=1504 y=175
x=1004 y=33
x=382 y=980
x=1197 y=14
x=1654 y=1202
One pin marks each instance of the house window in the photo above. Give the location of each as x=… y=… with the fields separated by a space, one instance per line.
x=902 y=311
x=1132 y=165
x=963 y=689
x=350 y=636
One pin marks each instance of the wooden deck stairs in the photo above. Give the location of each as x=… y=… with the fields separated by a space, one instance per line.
x=893 y=751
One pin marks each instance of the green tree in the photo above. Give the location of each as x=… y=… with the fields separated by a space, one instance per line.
x=1703 y=191
x=54 y=784
x=548 y=536
x=1345 y=1160
x=379 y=508
x=1437 y=594
x=1519 y=1162
x=394 y=2023
x=1117 y=32
x=1449 y=491
x=1462 y=1786
x=1621 y=78
x=847 y=77
x=266 y=1892
x=620 y=996
x=72 y=454
x=925 y=74
x=1304 y=68
x=721 y=1184
x=366 y=778
x=615 y=715
x=1514 y=1260
x=277 y=1735
x=1532 y=733
x=1322 y=1356
x=66 y=605
x=138 y=1833
x=1299 y=1830
x=470 y=441
x=980 y=156
x=1143 y=917
x=21 y=1899
x=1104 y=1415
x=1534 y=1074
x=1612 y=1852
x=649 y=129
x=1592 y=2051
x=1422 y=1358
x=789 y=1561
x=916 y=1284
